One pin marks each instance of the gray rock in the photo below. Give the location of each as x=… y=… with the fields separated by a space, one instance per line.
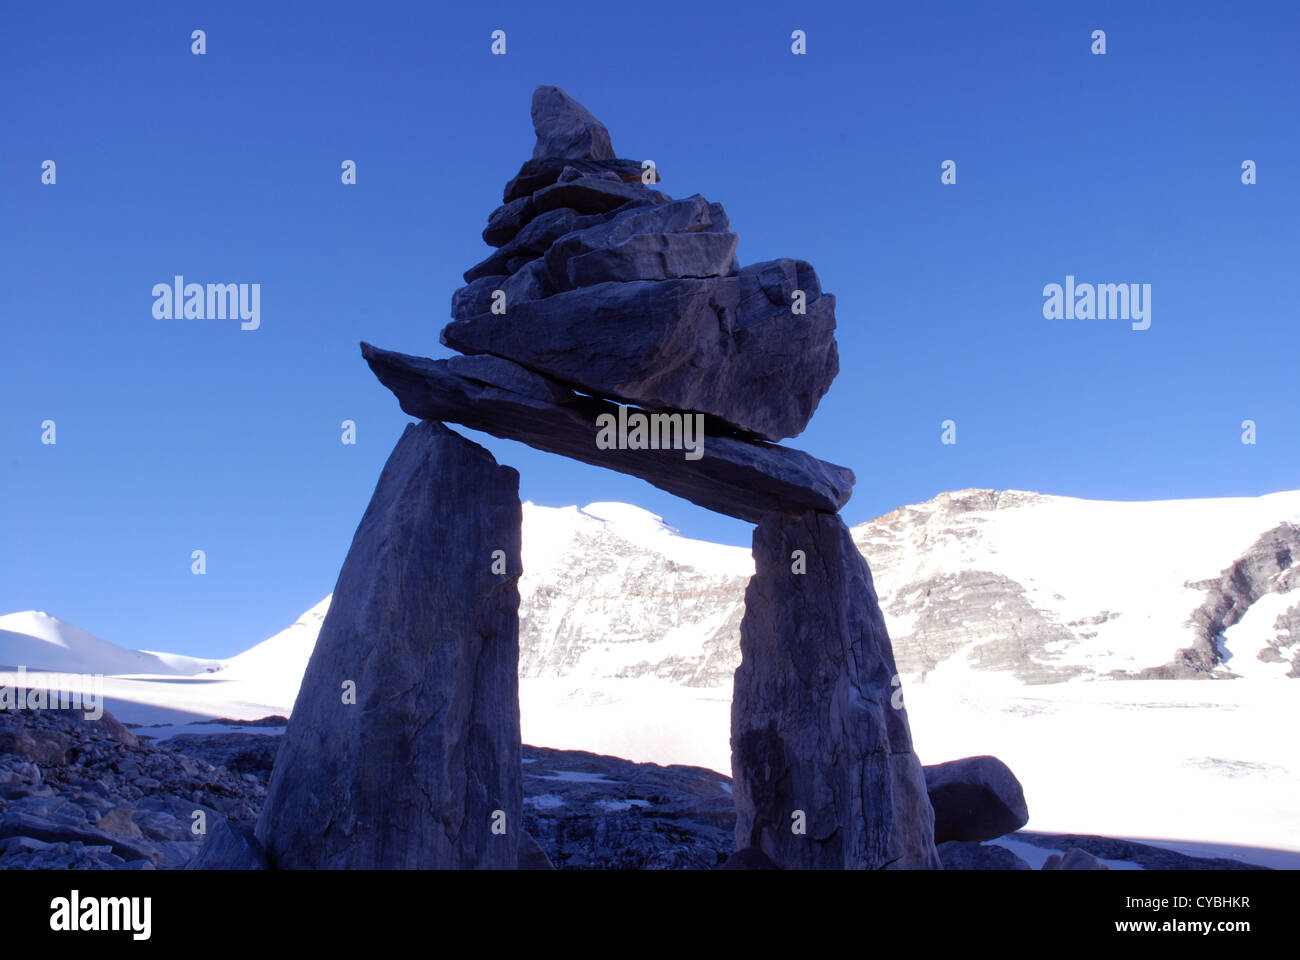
x=1144 y=855
x=1074 y=859
x=496 y=372
x=591 y=812
x=230 y=846
x=538 y=236
x=656 y=256
x=44 y=746
x=542 y=172
x=531 y=854
x=593 y=194
x=106 y=726
x=959 y=855
x=976 y=798
x=815 y=738
x=18 y=823
x=507 y=220
x=413 y=773
x=718 y=346
x=565 y=128
x=737 y=477
x=688 y=215
x=237 y=752
x=531 y=282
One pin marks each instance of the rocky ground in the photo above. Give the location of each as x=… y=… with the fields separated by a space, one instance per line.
x=91 y=794
x=78 y=794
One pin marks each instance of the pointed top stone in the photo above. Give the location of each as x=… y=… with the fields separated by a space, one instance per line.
x=565 y=128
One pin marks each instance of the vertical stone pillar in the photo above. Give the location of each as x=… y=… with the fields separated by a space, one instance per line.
x=822 y=762
x=403 y=750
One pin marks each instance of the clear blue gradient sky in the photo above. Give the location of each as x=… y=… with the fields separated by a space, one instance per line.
x=175 y=435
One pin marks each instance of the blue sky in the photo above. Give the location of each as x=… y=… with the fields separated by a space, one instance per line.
x=175 y=435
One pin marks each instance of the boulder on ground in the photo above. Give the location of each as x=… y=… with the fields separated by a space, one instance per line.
x=976 y=798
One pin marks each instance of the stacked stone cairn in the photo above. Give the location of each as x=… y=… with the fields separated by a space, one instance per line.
x=614 y=325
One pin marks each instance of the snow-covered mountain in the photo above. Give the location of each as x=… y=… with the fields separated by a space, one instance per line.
x=1052 y=588
x=1039 y=587
x=1003 y=608
x=39 y=641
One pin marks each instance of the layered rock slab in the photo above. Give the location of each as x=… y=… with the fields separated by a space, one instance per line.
x=734 y=476
x=817 y=744
x=422 y=637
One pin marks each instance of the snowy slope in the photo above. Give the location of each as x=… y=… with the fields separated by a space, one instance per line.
x=629 y=636
x=1050 y=588
x=38 y=641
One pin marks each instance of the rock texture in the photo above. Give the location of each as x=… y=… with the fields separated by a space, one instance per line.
x=1075 y=859
x=1142 y=854
x=565 y=128
x=976 y=798
x=728 y=347
x=617 y=290
x=1179 y=589
x=814 y=731
x=958 y=855
x=600 y=602
x=1271 y=565
x=106 y=799
x=415 y=772
x=230 y=846
x=590 y=812
x=738 y=477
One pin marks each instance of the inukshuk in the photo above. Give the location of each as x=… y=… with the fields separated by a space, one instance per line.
x=614 y=325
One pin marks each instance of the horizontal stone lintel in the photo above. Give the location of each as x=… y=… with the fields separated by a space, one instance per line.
x=737 y=477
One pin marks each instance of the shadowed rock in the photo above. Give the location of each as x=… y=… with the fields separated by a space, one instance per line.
x=565 y=128
x=729 y=347
x=543 y=172
x=816 y=743
x=229 y=846
x=751 y=858
x=740 y=478
x=1075 y=859
x=957 y=855
x=976 y=798
x=403 y=749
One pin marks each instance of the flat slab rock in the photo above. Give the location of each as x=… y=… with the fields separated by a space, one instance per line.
x=738 y=477
x=419 y=767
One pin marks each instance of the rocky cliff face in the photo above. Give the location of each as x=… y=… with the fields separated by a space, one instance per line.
x=1042 y=588
x=607 y=592
x=1050 y=588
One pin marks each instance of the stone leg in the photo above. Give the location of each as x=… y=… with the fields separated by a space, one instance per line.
x=822 y=762
x=403 y=750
